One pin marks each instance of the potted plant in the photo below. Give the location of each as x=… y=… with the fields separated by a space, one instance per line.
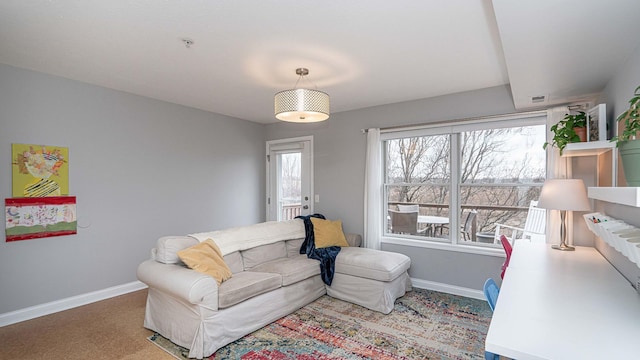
x=573 y=128
x=628 y=142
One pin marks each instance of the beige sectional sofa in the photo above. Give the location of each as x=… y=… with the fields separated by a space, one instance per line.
x=270 y=280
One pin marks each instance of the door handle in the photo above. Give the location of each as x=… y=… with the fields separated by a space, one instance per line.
x=305 y=207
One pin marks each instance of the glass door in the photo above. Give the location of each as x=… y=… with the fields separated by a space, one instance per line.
x=289 y=175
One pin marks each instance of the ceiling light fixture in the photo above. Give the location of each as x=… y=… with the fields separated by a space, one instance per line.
x=301 y=105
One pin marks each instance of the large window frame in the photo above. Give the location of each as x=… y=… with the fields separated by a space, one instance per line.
x=453 y=129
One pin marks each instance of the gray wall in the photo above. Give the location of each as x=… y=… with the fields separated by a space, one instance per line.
x=468 y=270
x=339 y=149
x=140 y=169
x=616 y=95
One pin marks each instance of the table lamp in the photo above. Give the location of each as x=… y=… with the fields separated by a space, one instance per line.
x=564 y=195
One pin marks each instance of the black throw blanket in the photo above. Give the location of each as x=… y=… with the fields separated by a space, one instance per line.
x=326 y=256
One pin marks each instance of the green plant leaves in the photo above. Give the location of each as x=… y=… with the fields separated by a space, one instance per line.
x=563 y=131
x=631 y=119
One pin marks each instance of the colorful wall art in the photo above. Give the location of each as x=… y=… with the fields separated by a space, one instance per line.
x=39 y=170
x=33 y=218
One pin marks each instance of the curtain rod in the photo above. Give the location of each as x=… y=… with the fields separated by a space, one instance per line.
x=525 y=114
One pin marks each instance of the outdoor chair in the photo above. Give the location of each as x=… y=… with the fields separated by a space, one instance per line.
x=533 y=230
x=466 y=229
x=408 y=208
x=404 y=222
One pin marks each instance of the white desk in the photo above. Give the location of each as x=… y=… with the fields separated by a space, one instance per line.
x=564 y=305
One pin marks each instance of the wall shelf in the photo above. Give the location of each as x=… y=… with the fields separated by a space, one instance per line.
x=595 y=148
x=618 y=195
x=588 y=148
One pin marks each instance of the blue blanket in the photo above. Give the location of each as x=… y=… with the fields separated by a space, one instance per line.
x=326 y=256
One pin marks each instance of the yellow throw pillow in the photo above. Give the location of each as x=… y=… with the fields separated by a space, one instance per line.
x=207 y=259
x=328 y=233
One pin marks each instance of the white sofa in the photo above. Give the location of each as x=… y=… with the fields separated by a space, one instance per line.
x=270 y=280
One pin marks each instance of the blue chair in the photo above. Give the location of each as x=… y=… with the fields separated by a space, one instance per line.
x=491 y=356
x=491 y=291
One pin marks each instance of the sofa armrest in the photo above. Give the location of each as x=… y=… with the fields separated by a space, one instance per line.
x=354 y=240
x=183 y=283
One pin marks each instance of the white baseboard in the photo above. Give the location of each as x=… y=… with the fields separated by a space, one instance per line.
x=449 y=289
x=68 y=303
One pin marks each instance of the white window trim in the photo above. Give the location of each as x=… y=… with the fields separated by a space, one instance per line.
x=513 y=119
x=453 y=128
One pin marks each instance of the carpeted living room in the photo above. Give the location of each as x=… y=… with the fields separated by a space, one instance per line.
x=291 y=179
x=423 y=325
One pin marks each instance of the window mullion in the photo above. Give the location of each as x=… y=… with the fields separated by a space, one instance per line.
x=454 y=183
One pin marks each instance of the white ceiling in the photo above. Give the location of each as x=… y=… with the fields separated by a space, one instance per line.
x=363 y=53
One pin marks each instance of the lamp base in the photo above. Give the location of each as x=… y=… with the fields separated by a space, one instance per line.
x=563 y=247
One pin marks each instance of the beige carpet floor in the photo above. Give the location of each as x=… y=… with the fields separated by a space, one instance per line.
x=109 y=329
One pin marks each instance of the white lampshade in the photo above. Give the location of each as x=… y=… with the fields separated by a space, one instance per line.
x=301 y=105
x=564 y=194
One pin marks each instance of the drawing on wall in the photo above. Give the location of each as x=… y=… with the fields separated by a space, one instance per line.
x=33 y=218
x=39 y=170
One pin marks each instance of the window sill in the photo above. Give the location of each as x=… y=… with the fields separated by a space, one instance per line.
x=478 y=250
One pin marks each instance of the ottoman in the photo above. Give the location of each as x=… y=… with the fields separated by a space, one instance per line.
x=370 y=278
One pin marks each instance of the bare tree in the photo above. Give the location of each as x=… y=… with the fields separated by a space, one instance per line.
x=290 y=176
x=419 y=160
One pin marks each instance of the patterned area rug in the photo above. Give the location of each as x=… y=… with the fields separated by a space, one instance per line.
x=423 y=325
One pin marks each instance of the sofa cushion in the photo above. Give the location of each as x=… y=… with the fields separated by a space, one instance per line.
x=328 y=233
x=245 y=285
x=371 y=264
x=292 y=269
x=234 y=261
x=262 y=254
x=206 y=258
x=167 y=248
x=293 y=247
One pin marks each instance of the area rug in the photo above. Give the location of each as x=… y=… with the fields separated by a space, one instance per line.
x=423 y=325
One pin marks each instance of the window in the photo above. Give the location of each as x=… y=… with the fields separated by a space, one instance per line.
x=488 y=171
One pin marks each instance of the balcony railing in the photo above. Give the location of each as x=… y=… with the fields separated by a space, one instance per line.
x=290 y=211
x=476 y=234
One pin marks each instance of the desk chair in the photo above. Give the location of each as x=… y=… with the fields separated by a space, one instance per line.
x=491 y=291
x=507 y=249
